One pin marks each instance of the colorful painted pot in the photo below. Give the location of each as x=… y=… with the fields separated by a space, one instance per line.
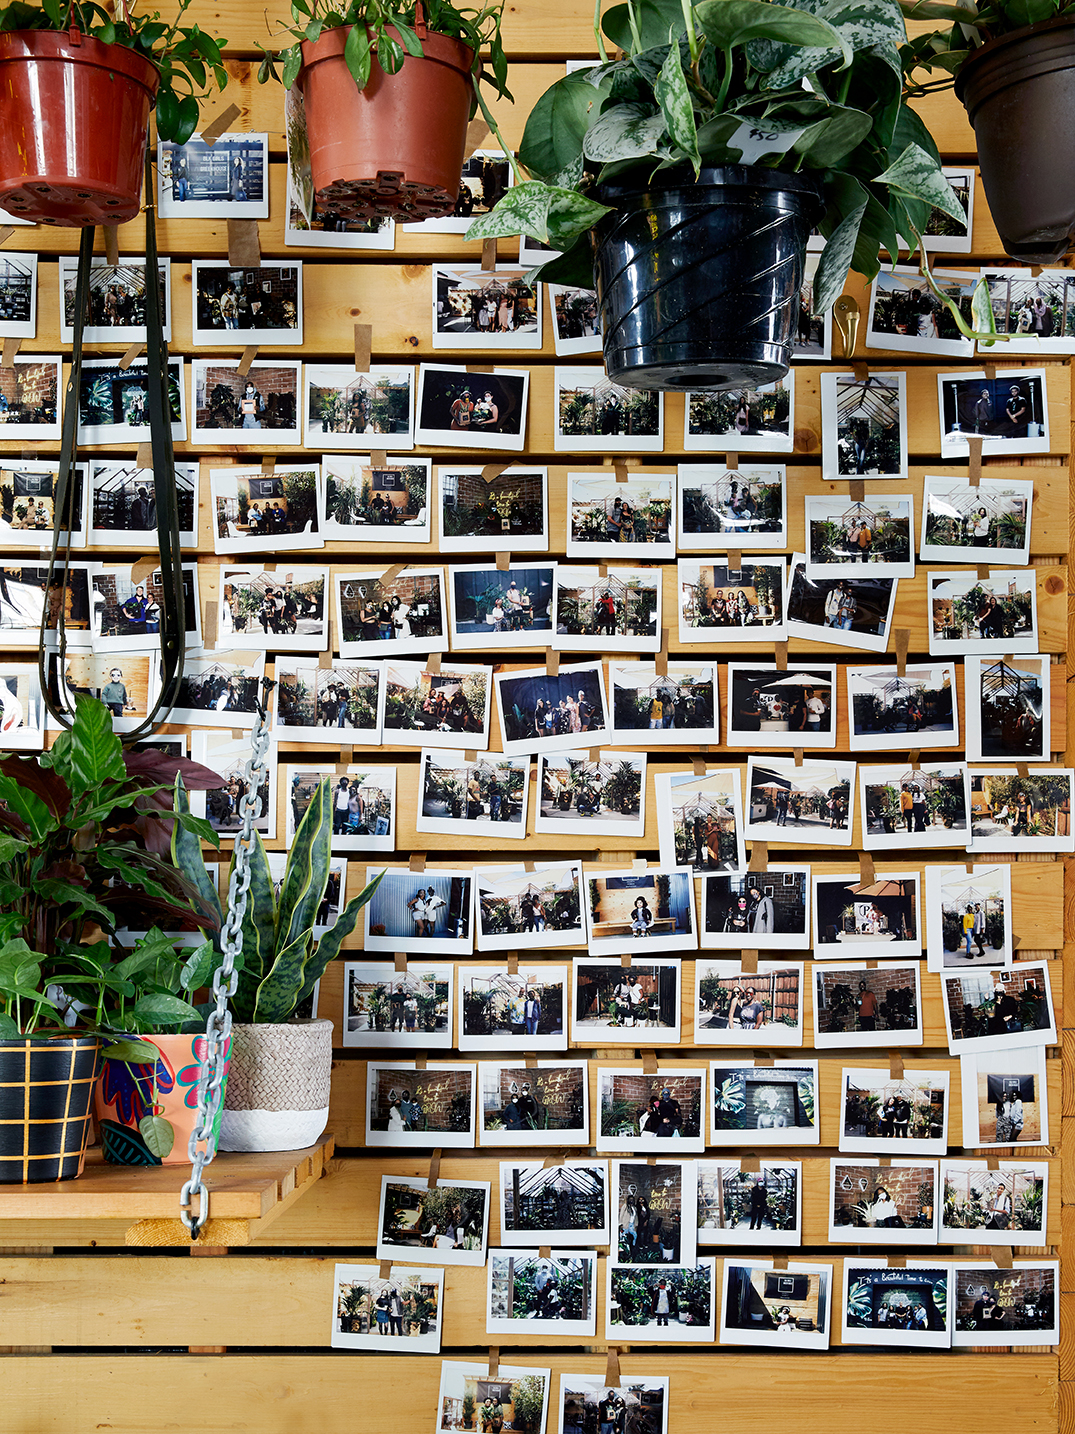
x=146 y=1112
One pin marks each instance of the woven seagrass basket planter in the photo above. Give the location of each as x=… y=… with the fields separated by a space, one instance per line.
x=278 y=1086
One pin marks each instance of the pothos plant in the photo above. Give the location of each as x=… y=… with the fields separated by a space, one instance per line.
x=970 y=25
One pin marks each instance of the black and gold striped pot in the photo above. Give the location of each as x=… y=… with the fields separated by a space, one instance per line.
x=46 y=1100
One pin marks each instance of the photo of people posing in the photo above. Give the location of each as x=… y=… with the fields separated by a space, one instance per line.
x=1006 y=1206
x=449 y=706
x=381 y=612
x=544 y=904
x=635 y=1109
x=1004 y=1097
x=222 y=806
x=277 y=510
x=428 y=911
x=485 y=308
x=496 y=508
x=115 y=304
x=518 y=1395
x=738 y=1206
x=672 y=1304
x=362 y=501
x=408 y=1107
x=483 y=797
x=878 y=1108
x=854 y=1006
x=543 y=713
x=499 y=1008
x=1036 y=311
x=731 y=604
x=678 y=706
x=638 y=1405
x=632 y=518
x=441 y=1224
x=1010 y=411
x=699 y=820
x=909 y=807
x=792 y=708
x=546 y=1104
x=363 y=803
x=907 y=1308
x=813 y=797
x=625 y=1004
x=743 y=507
x=228 y=404
x=892 y=1204
x=864 y=423
x=1008 y=717
x=402 y=1009
x=493 y=607
x=124 y=509
x=606 y=795
x=266 y=301
x=628 y=906
x=1007 y=1307
x=618 y=610
x=529 y=1291
x=595 y=415
x=223 y=682
x=348 y=409
x=786 y=1309
x=341 y=703
x=461 y=410
x=290 y=607
x=867 y=918
x=576 y=321
x=993 y=615
x=850 y=536
x=885 y=706
x=762 y=1008
x=844 y=612
x=770 y=1105
x=746 y=420
x=907 y=316
x=984 y=523
x=656 y=1208
x=375 y=1314
x=968 y=915
x=27 y=507
x=999 y=1010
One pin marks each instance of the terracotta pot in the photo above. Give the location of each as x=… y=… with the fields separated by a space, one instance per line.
x=278 y=1088
x=147 y=1112
x=46 y=1095
x=74 y=120
x=395 y=147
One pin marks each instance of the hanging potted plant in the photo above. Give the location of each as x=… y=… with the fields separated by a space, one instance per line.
x=388 y=91
x=683 y=180
x=77 y=86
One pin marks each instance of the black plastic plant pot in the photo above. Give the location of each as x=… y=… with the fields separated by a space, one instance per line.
x=46 y=1096
x=699 y=281
x=1019 y=92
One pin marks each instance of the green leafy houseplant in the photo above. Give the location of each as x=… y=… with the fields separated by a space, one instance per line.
x=949 y=47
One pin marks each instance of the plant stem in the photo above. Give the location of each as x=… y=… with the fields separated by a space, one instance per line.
x=692 y=38
x=636 y=34
x=597 y=31
x=725 y=83
x=491 y=122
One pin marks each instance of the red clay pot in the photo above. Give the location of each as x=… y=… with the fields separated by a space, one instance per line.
x=74 y=120
x=394 y=148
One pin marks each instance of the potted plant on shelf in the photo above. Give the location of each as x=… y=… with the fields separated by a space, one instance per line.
x=388 y=91
x=77 y=85
x=683 y=180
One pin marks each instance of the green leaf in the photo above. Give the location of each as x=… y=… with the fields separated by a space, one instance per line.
x=836 y=256
x=131 y=1050
x=10 y=847
x=548 y=214
x=654 y=19
x=187 y=121
x=557 y=125
x=197 y=970
x=28 y=806
x=9 y=1031
x=410 y=40
x=188 y=858
x=259 y=931
x=627 y=132
x=292 y=66
x=982 y=315
x=64 y=893
x=675 y=102
x=158 y=1008
x=356 y=55
x=306 y=873
x=828 y=141
x=157 y=1134
x=96 y=754
x=330 y=945
x=278 y=994
x=390 y=54
x=727 y=23
x=198 y=827
x=915 y=173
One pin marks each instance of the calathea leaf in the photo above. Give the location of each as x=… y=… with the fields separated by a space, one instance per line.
x=915 y=173
x=626 y=132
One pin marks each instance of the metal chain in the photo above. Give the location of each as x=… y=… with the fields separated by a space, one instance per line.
x=202 y=1144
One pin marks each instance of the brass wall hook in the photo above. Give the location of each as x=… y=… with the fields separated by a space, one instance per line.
x=846 y=313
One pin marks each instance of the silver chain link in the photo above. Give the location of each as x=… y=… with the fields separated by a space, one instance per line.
x=202 y=1144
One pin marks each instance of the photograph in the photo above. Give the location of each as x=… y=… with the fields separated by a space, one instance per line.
x=906 y=808
x=676 y=707
x=723 y=604
x=589 y=1403
x=968 y=916
x=907 y=317
x=608 y=518
x=229 y=408
x=864 y=426
x=457 y=409
x=670 y=1304
x=742 y=420
x=363 y=804
x=451 y=702
x=1010 y=411
x=18 y=295
x=425 y=912
x=847 y=612
x=22 y=602
x=116 y=303
x=531 y=1294
x=599 y=797
x=400 y=1314
x=1006 y=1307
x=1008 y=716
x=576 y=320
x=812 y=339
x=763 y=1008
x=489 y=309
x=886 y=709
x=1006 y=1206
x=220 y=689
x=999 y=1010
x=443 y=1223
x=30 y=399
x=985 y=522
x=403 y=1010
x=493 y=509
x=699 y=820
x=1005 y=1099
x=786 y=1309
x=543 y=1104
x=126 y=683
x=501 y=607
x=22 y=708
x=276 y=511
x=486 y=177
x=874 y=1204
x=366 y=504
x=617 y=1004
x=867 y=918
x=635 y=1109
x=484 y=797
x=764 y=1104
x=408 y=1107
x=127 y=614
x=377 y=619
x=857 y=1006
x=786 y=801
x=123 y=503
x=656 y=1207
x=232 y=306
x=515 y=1398
x=1035 y=311
x=566 y=1202
x=616 y=609
x=501 y=1008
x=113 y=403
x=993 y=616
x=544 y=905
x=345 y=409
x=308 y=222
x=542 y=713
x=902 y=1308
x=749 y=1207
x=723 y=507
x=340 y=703
x=777 y=708
x=28 y=509
x=594 y=415
x=762 y=909
x=228 y=755
x=877 y=1108
x=227 y=179
x=285 y=610
x=848 y=537
x=943 y=234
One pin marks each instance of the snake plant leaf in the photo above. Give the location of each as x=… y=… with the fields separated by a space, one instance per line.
x=629 y=131
x=653 y=18
x=328 y=948
x=550 y=215
x=552 y=138
x=158 y=1135
x=187 y=857
x=675 y=102
x=839 y=250
x=306 y=875
x=726 y=23
x=278 y=994
x=259 y=931
x=915 y=174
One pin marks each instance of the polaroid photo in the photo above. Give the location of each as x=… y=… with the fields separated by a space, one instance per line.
x=543 y=713
x=864 y=426
x=943 y=234
x=874 y=1204
x=340 y=703
x=500 y=1008
x=786 y=1309
x=607 y=518
x=984 y=523
x=785 y=801
x=457 y=409
x=594 y=415
x=700 y=820
x=1005 y=1097
x=400 y=1314
x=546 y=1104
x=444 y=1223
x=425 y=913
x=747 y=1207
x=998 y=1010
x=408 y=1107
x=992 y=616
x=907 y=317
x=496 y=509
x=597 y=793
x=566 y=1202
x=635 y=1109
x=760 y=1008
x=618 y=610
x=845 y=538
x=586 y=1400
x=576 y=320
x=905 y=808
x=656 y=1210
x=722 y=604
x=1036 y=313
x=968 y=916
x=886 y=708
x=763 y=910
x=23 y=588
x=22 y=708
x=625 y=1004
x=219 y=689
x=1006 y=1206
x=812 y=339
x=274 y=511
x=486 y=177
x=742 y=420
x=721 y=507
x=363 y=804
x=285 y=609
x=125 y=682
x=1010 y=411
x=868 y=919
x=232 y=408
x=126 y=613
x=778 y=708
x=877 y=1108
x=230 y=758
x=308 y=223
x=847 y=612
x=631 y=905
x=1006 y=1307
x=1008 y=709
x=676 y=707
x=855 y=1005
x=379 y=619
x=116 y=303
x=113 y=402
x=903 y=1308
x=450 y=702
x=28 y=509
x=764 y=1104
x=669 y=1304
x=362 y=503
x=495 y=310
x=30 y=398
x=544 y=905
x=227 y=179
x=531 y=1294
x=533 y=251
x=18 y=296
x=231 y=305
x=495 y=607
x=345 y=409
x=497 y=1393
x=399 y=1010
x=477 y=794
x=124 y=503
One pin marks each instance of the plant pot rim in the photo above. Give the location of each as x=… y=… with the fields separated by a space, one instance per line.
x=44 y=1038
x=1013 y=37
x=55 y=45
x=441 y=49
x=275 y=1025
x=710 y=176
